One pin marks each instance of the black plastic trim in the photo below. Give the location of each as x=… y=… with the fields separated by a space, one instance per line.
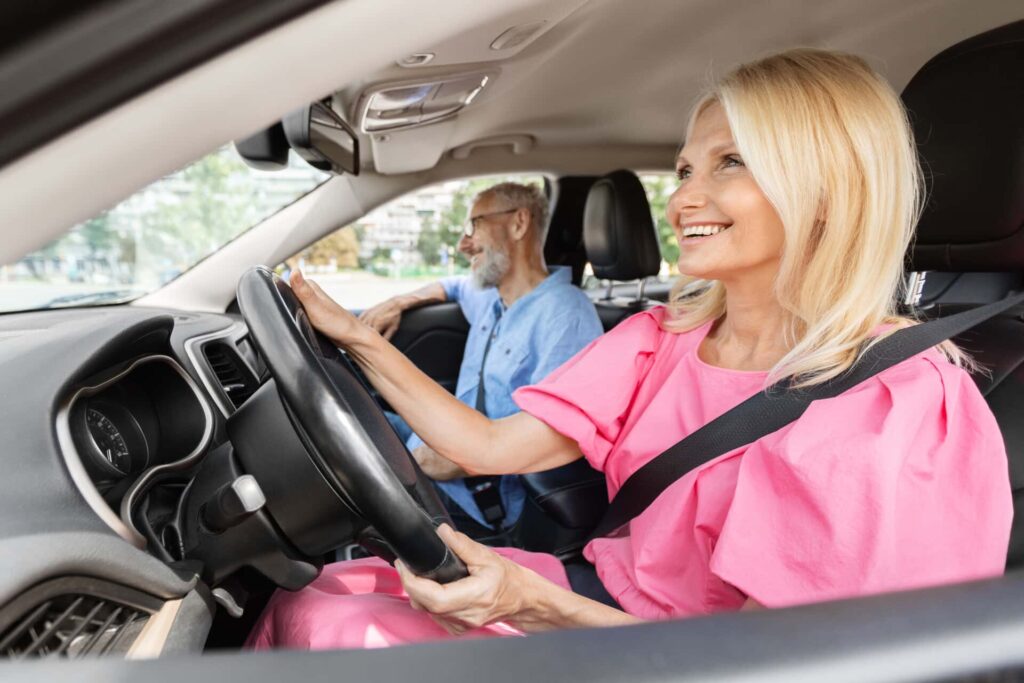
x=951 y=633
x=105 y=54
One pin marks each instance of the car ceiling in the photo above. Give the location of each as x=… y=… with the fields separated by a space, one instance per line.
x=626 y=72
x=610 y=74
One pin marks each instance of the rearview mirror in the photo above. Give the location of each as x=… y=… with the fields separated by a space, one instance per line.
x=266 y=150
x=322 y=138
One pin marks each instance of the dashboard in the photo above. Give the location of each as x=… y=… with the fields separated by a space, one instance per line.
x=107 y=414
x=148 y=414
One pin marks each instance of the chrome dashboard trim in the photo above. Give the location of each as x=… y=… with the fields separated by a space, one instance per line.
x=122 y=525
x=233 y=332
x=128 y=502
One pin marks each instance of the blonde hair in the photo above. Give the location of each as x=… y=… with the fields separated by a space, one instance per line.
x=828 y=142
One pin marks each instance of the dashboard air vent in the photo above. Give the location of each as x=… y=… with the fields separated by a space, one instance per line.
x=234 y=376
x=72 y=626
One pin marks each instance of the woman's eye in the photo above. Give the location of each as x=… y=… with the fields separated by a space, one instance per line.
x=732 y=161
x=683 y=173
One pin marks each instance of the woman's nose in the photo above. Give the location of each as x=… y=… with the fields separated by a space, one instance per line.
x=686 y=199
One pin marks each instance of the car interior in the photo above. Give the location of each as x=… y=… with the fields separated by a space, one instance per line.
x=174 y=459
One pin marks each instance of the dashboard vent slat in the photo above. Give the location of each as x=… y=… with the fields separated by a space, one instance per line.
x=70 y=626
x=25 y=625
x=78 y=629
x=234 y=376
x=40 y=641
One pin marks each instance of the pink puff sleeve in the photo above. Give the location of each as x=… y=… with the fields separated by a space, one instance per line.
x=587 y=398
x=899 y=483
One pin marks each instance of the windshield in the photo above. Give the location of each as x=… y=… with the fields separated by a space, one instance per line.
x=155 y=235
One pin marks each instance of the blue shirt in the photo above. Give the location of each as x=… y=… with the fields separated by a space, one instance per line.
x=532 y=337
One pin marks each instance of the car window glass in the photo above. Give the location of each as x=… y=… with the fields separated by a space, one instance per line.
x=397 y=247
x=155 y=235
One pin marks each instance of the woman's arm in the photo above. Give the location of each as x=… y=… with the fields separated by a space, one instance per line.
x=436 y=466
x=515 y=444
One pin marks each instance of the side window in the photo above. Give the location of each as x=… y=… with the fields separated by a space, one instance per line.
x=397 y=247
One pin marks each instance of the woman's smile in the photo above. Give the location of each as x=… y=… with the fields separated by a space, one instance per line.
x=693 y=233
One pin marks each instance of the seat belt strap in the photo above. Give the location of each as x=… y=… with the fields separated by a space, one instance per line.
x=485 y=489
x=777 y=406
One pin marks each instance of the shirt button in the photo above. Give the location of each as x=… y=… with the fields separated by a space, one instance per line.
x=508 y=351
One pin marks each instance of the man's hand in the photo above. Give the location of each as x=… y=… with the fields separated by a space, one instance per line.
x=435 y=465
x=385 y=316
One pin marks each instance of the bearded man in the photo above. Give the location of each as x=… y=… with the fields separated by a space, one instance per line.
x=525 y=320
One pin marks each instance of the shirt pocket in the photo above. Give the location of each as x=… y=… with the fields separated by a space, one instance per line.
x=508 y=365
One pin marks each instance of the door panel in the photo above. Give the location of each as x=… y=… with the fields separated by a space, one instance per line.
x=434 y=338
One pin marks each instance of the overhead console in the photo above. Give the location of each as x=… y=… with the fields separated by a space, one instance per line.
x=395 y=115
x=497 y=39
x=410 y=111
x=401 y=106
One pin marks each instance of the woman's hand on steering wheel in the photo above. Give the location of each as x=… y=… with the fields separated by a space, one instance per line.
x=496 y=590
x=325 y=314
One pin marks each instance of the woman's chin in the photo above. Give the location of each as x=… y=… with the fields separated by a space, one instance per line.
x=695 y=270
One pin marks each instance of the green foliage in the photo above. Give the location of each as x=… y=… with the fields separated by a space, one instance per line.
x=659 y=189
x=202 y=210
x=341 y=247
x=99 y=234
x=430 y=243
x=437 y=232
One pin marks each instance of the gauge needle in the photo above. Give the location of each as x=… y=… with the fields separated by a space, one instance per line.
x=110 y=456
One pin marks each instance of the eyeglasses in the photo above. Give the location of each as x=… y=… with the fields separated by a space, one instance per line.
x=472 y=223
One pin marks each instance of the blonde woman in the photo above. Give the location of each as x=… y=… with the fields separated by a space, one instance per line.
x=798 y=192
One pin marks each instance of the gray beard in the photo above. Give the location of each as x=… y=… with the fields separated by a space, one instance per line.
x=493 y=268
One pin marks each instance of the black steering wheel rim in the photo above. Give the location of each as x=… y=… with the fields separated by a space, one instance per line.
x=344 y=430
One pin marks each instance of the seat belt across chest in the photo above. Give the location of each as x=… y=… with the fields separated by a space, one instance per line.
x=777 y=406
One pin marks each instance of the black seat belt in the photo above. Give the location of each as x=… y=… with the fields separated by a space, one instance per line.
x=486 y=489
x=774 y=408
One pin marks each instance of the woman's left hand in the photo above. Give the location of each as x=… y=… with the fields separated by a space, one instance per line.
x=496 y=589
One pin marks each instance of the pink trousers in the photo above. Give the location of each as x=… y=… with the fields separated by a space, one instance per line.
x=361 y=604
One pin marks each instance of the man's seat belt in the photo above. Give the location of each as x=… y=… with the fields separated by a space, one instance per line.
x=774 y=408
x=486 y=489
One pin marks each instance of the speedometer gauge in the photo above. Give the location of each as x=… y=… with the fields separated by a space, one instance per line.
x=108 y=440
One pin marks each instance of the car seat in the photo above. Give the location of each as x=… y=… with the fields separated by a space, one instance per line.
x=966 y=106
x=621 y=241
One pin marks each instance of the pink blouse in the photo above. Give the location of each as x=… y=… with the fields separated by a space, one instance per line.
x=901 y=482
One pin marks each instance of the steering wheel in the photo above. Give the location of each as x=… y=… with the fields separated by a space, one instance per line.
x=344 y=430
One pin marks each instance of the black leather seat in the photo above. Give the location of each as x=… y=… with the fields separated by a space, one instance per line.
x=620 y=239
x=621 y=244
x=966 y=107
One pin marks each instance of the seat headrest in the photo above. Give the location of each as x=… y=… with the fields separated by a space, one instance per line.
x=967 y=110
x=618 y=230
